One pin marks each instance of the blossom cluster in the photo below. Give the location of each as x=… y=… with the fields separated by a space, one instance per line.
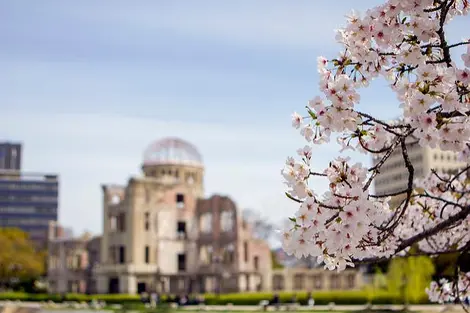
x=336 y=227
x=402 y=41
x=438 y=204
x=445 y=291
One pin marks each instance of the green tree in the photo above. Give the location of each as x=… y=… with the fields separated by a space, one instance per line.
x=410 y=276
x=18 y=258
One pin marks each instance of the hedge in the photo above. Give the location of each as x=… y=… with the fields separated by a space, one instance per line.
x=108 y=298
x=321 y=298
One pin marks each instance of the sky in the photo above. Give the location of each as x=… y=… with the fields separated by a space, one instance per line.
x=87 y=85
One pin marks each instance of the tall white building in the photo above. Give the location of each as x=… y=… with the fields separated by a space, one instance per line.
x=393 y=176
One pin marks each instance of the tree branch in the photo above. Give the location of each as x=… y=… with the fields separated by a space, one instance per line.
x=424 y=234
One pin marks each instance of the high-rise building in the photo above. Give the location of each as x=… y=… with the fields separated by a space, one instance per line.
x=29 y=201
x=393 y=176
x=10 y=156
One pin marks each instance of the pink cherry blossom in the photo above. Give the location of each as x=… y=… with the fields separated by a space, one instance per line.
x=400 y=42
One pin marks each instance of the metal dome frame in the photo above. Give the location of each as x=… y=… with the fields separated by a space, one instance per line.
x=172 y=150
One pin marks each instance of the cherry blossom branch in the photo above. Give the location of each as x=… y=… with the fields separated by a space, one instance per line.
x=447 y=202
x=388 y=229
x=441 y=33
x=439 y=7
x=393 y=194
x=459 y=44
x=426 y=233
x=376 y=169
x=404 y=42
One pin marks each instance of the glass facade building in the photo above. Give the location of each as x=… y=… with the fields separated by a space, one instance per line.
x=10 y=156
x=29 y=202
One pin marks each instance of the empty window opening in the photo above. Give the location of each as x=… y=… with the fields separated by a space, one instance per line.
x=180 y=201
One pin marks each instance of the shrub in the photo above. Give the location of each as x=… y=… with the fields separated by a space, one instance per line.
x=321 y=298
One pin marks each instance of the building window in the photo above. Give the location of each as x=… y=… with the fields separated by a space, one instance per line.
x=181 y=230
x=180 y=201
x=122 y=255
x=181 y=262
x=245 y=251
x=335 y=282
x=226 y=221
x=205 y=254
x=78 y=262
x=351 y=281
x=298 y=281
x=278 y=282
x=147 y=221
x=147 y=254
x=112 y=255
x=317 y=281
x=206 y=223
x=121 y=222
x=256 y=263
x=114 y=199
x=229 y=254
x=112 y=223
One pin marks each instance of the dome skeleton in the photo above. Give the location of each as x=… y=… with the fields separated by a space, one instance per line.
x=172 y=151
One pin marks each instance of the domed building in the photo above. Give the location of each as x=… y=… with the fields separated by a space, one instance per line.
x=161 y=235
x=173 y=160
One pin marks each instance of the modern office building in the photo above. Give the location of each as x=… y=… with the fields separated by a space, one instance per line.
x=10 y=156
x=29 y=201
x=393 y=176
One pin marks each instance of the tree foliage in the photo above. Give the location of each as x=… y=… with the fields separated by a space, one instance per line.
x=18 y=258
x=410 y=276
x=275 y=261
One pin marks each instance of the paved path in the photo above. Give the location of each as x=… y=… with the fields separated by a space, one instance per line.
x=222 y=308
x=246 y=308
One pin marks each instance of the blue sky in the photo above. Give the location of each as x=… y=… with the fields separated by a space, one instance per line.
x=87 y=85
